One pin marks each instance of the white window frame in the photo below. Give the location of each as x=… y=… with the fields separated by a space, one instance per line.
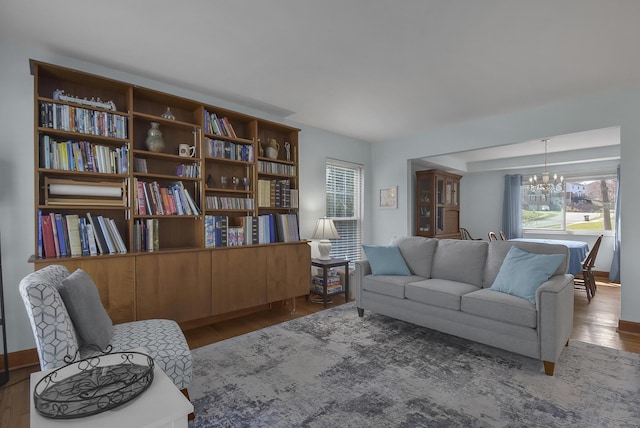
x=563 y=230
x=354 y=250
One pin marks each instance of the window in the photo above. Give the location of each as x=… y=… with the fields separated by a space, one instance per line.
x=585 y=204
x=344 y=206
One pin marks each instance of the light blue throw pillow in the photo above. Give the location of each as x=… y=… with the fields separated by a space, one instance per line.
x=386 y=260
x=522 y=273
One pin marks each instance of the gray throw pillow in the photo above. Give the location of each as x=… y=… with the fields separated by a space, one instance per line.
x=80 y=296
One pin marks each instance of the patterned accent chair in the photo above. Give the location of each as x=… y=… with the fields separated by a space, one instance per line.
x=56 y=337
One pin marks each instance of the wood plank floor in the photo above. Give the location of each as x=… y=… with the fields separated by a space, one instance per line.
x=594 y=322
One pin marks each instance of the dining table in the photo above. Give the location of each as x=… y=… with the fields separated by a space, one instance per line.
x=578 y=250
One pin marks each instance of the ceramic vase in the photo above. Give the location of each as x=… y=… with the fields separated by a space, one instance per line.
x=154 y=140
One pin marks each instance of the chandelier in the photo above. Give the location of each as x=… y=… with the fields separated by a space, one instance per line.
x=545 y=185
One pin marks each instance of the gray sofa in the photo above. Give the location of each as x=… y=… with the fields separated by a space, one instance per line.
x=448 y=289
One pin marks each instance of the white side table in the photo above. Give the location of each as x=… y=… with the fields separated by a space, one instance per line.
x=160 y=406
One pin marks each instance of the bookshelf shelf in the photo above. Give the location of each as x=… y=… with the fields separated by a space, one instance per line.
x=159 y=235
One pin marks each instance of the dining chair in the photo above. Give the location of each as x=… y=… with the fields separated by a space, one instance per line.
x=464 y=234
x=588 y=279
x=503 y=236
x=493 y=236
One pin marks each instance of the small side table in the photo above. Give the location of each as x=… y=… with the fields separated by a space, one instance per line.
x=160 y=406
x=325 y=265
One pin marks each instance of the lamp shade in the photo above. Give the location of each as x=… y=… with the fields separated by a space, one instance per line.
x=325 y=230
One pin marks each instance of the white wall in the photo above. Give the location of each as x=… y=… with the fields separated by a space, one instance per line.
x=390 y=163
x=17 y=163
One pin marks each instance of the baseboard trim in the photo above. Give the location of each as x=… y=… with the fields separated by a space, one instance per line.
x=629 y=326
x=21 y=359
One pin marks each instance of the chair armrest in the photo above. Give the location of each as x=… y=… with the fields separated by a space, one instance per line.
x=554 y=300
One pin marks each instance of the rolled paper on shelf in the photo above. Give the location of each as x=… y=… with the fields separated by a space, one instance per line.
x=84 y=190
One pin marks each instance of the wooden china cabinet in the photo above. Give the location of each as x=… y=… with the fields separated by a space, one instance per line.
x=437 y=204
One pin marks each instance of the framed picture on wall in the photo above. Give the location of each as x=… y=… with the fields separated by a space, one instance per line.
x=389 y=197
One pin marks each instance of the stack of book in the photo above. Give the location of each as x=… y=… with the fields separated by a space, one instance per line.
x=333 y=283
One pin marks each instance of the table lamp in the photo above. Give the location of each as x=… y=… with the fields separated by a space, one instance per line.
x=324 y=231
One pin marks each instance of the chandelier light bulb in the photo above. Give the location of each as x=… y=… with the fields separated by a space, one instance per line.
x=546 y=183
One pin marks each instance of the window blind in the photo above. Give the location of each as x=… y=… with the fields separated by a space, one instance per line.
x=344 y=206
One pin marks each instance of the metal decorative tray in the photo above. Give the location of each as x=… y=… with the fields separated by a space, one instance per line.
x=93 y=385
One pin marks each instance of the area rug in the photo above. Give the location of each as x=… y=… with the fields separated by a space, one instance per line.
x=334 y=369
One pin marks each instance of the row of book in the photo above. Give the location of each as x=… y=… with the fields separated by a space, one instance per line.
x=71 y=236
x=146 y=234
x=262 y=229
x=229 y=150
x=155 y=199
x=228 y=203
x=276 y=168
x=83 y=156
x=219 y=126
x=182 y=170
x=277 y=194
x=77 y=119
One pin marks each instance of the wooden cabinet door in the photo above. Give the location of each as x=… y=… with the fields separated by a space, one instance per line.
x=239 y=280
x=176 y=286
x=114 y=278
x=288 y=271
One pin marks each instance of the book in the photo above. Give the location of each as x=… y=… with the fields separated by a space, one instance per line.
x=48 y=238
x=62 y=239
x=91 y=240
x=149 y=234
x=97 y=231
x=140 y=197
x=122 y=248
x=73 y=229
x=110 y=247
x=40 y=248
x=54 y=227
x=84 y=237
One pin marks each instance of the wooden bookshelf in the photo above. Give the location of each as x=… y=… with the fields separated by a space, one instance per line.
x=91 y=157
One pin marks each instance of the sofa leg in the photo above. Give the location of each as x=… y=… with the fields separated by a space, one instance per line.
x=567 y=344
x=360 y=312
x=192 y=415
x=549 y=367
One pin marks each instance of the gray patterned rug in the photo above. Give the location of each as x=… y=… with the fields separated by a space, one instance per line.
x=333 y=369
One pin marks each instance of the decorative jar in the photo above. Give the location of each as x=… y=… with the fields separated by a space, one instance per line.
x=154 y=140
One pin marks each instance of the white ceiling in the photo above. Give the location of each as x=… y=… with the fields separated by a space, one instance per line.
x=370 y=69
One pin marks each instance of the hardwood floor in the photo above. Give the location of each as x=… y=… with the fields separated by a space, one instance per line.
x=594 y=322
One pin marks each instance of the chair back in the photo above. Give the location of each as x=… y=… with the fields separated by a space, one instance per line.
x=590 y=261
x=493 y=236
x=503 y=236
x=465 y=235
x=51 y=324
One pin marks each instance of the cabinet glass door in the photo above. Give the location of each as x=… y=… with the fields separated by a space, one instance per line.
x=424 y=204
x=455 y=193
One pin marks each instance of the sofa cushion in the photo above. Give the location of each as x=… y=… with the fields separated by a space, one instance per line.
x=80 y=296
x=522 y=273
x=417 y=252
x=498 y=306
x=392 y=285
x=438 y=292
x=498 y=250
x=386 y=260
x=461 y=261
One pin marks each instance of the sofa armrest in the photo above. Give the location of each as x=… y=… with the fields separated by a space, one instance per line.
x=554 y=301
x=363 y=268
